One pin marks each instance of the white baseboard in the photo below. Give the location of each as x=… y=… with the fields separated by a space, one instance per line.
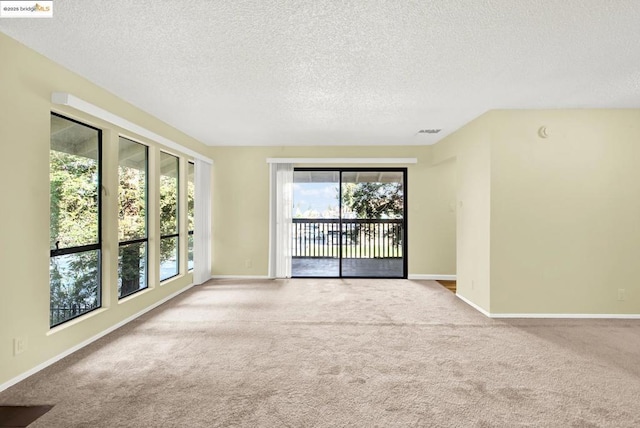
x=81 y=345
x=473 y=305
x=418 y=276
x=569 y=316
x=547 y=316
x=240 y=277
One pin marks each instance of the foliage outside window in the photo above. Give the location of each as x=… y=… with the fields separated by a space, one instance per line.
x=169 y=232
x=74 y=226
x=132 y=217
x=190 y=212
x=376 y=200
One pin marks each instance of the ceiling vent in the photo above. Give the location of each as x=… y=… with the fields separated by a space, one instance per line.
x=429 y=131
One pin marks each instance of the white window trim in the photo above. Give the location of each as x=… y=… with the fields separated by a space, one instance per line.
x=344 y=160
x=66 y=99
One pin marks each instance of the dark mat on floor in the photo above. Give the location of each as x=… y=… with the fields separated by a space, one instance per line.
x=20 y=416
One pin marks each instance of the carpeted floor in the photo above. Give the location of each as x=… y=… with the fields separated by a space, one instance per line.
x=325 y=353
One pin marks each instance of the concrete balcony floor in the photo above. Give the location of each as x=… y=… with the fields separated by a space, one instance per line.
x=330 y=267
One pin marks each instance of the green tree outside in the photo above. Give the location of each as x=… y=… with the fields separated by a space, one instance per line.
x=73 y=222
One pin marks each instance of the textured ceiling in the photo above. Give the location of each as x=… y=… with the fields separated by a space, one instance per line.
x=267 y=72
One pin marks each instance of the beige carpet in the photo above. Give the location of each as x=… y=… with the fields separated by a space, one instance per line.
x=362 y=353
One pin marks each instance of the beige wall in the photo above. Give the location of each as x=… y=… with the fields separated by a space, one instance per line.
x=469 y=150
x=548 y=225
x=241 y=206
x=26 y=83
x=565 y=212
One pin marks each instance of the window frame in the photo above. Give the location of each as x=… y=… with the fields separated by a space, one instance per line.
x=190 y=231
x=146 y=218
x=57 y=252
x=177 y=233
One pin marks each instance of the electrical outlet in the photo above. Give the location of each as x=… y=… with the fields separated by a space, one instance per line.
x=19 y=345
x=473 y=284
x=622 y=294
x=248 y=263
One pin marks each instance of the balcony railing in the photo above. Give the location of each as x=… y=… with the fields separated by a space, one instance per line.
x=358 y=238
x=58 y=315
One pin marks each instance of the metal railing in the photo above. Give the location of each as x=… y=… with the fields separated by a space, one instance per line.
x=360 y=238
x=59 y=315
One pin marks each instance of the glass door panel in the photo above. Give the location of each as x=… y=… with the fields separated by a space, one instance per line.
x=315 y=245
x=373 y=212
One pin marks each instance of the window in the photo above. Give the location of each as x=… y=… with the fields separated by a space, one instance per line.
x=75 y=219
x=191 y=188
x=169 y=232
x=132 y=217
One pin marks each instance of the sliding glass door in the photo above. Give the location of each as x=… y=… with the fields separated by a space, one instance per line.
x=349 y=222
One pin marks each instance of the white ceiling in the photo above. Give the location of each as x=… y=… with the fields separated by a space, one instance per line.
x=320 y=72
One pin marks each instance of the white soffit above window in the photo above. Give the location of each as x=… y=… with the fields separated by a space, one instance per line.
x=63 y=98
x=344 y=160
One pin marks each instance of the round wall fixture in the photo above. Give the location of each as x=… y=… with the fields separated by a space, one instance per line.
x=542 y=132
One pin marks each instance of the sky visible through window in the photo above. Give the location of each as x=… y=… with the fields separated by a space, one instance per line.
x=311 y=200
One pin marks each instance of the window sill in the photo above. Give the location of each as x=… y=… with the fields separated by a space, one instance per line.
x=134 y=295
x=171 y=279
x=75 y=321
